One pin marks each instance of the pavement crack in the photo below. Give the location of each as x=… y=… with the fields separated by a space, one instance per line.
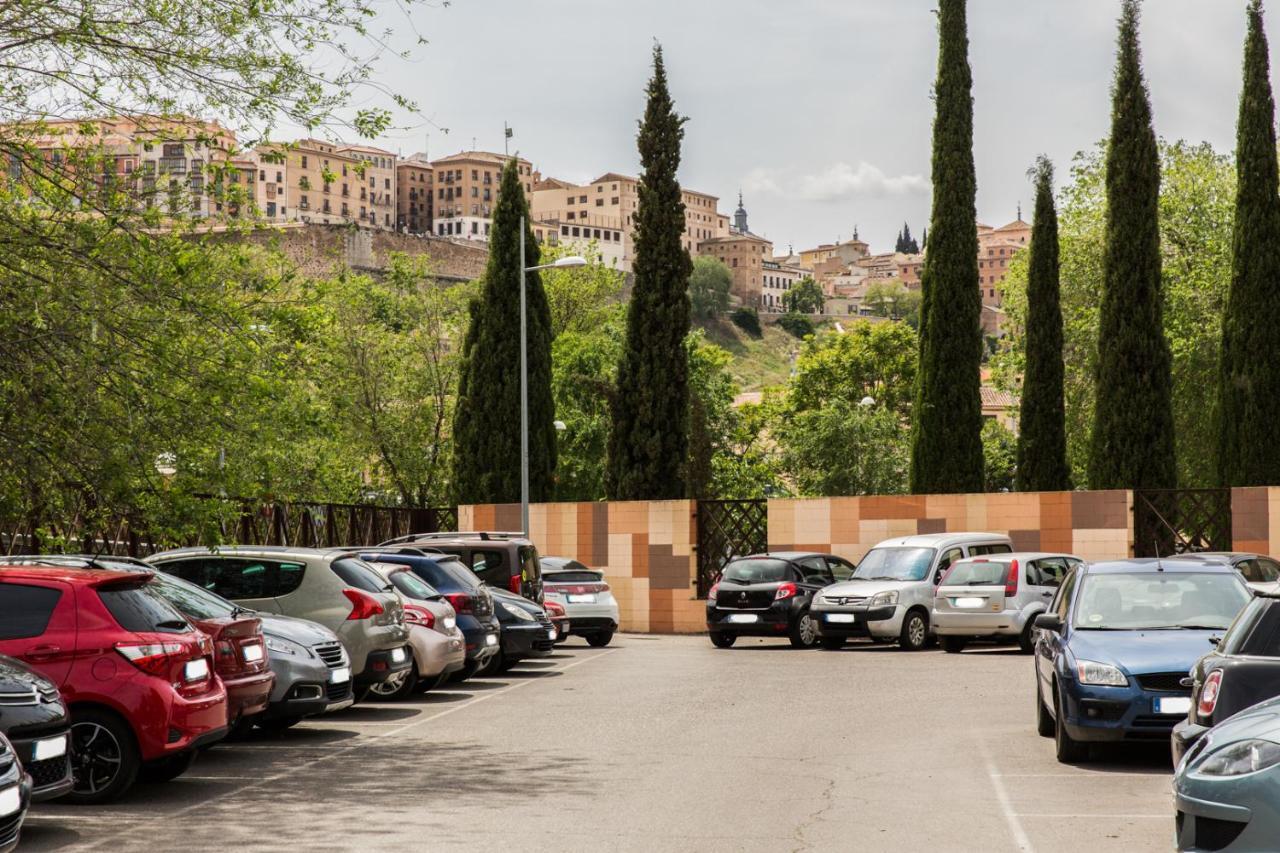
x=827 y=798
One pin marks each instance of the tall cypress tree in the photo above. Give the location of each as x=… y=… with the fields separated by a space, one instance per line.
x=1132 y=444
x=946 y=441
x=648 y=441
x=1249 y=393
x=487 y=419
x=1042 y=436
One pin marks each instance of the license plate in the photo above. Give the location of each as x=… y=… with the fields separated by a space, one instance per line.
x=968 y=603
x=252 y=653
x=341 y=675
x=744 y=617
x=195 y=670
x=582 y=599
x=1173 y=704
x=842 y=618
x=53 y=747
x=397 y=655
x=10 y=801
x=491 y=639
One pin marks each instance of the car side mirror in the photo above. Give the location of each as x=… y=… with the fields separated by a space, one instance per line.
x=1049 y=622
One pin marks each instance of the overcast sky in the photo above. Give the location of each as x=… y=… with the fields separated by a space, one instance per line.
x=819 y=110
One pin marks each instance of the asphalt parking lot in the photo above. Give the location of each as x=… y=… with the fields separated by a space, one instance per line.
x=661 y=743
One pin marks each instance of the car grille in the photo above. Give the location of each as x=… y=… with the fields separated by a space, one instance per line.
x=1150 y=727
x=1164 y=682
x=330 y=653
x=9 y=828
x=845 y=600
x=544 y=643
x=1212 y=833
x=48 y=772
x=15 y=698
x=338 y=692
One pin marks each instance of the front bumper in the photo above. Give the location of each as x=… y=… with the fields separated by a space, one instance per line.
x=844 y=622
x=304 y=688
x=526 y=639
x=477 y=645
x=50 y=777
x=1185 y=735
x=1108 y=714
x=1004 y=623
x=1241 y=813
x=11 y=824
x=382 y=664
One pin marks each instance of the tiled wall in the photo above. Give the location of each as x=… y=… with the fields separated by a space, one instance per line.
x=1255 y=520
x=1092 y=525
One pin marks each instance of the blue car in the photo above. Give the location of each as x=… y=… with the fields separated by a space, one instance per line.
x=1117 y=644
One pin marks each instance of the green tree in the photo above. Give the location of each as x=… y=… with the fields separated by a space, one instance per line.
x=487 y=419
x=1249 y=389
x=648 y=443
x=946 y=439
x=1042 y=439
x=893 y=299
x=709 y=285
x=580 y=298
x=584 y=373
x=906 y=243
x=804 y=297
x=876 y=360
x=845 y=449
x=999 y=456
x=1132 y=441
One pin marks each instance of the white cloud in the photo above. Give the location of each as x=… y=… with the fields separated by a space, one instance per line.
x=838 y=182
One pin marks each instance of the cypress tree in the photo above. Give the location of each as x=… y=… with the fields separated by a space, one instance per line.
x=946 y=441
x=487 y=418
x=1249 y=390
x=1042 y=437
x=1132 y=444
x=648 y=440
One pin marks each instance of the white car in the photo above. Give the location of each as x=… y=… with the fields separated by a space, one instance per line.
x=587 y=600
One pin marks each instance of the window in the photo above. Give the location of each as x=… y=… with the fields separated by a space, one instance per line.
x=25 y=611
x=1047 y=572
x=412 y=586
x=599 y=202
x=191 y=599
x=143 y=610
x=1270 y=569
x=911 y=564
x=356 y=574
x=752 y=570
x=814 y=570
x=239 y=578
x=999 y=548
x=1135 y=601
x=840 y=569
x=951 y=556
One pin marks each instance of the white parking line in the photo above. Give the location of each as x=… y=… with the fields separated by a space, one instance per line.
x=1095 y=816
x=1002 y=796
x=1102 y=774
x=358 y=744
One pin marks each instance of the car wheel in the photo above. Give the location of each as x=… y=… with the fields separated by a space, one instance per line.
x=722 y=640
x=832 y=643
x=1044 y=722
x=167 y=769
x=599 y=640
x=496 y=664
x=426 y=685
x=915 y=631
x=953 y=645
x=397 y=686
x=104 y=757
x=804 y=633
x=469 y=671
x=278 y=724
x=1070 y=750
x=1027 y=639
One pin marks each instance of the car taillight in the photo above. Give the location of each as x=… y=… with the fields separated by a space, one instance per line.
x=1209 y=694
x=513 y=584
x=785 y=590
x=419 y=616
x=153 y=658
x=1011 y=580
x=711 y=593
x=461 y=602
x=363 y=605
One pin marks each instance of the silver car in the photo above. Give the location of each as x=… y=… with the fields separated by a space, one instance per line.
x=890 y=595
x=328 y=586
x=586 y=597
x=439 y=649
x=997 y=597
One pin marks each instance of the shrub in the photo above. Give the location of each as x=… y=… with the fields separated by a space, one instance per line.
x=748 y=320
x=797 y=324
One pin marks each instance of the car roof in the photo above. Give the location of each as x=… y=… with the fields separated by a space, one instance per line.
x=82 y=575
x=253 y=551
x=1154 y=565
x=1016 y=555
x=1219 y=555
x=935 y=540
x=554 y=564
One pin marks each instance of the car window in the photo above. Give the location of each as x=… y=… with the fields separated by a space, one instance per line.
x=757 y=571
x=412 y=585
x=1132 y=601
x=239 y=577
x=976 y=573
x=1047 y=571
x=951 y=556
x=895 y=564
x=143 y=610
x=1270 y=569
x=814 y=570
x=994 y=548
x=25 y=610
x=1250 y=569
x=488 y=566
x=586 y=576
x=840 y=569
x=356 y=574
x=1062 y=601
x=191 y=599
x=530 y=566
x=1256 y=631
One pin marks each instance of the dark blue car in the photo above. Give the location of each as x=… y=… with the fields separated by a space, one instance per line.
x=1117 y=643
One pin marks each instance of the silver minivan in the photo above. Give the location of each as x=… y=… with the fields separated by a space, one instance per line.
x=890 y=594
x=328 y=586
x=997 y=597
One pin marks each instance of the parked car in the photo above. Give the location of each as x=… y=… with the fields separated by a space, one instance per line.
x=506 y=561
x=587 y=599
x=1116 y=644
x=890 y=595
x=325 y=585
x=1242 y=670
x=1258 y=570
x=470 y=597
x=1225 y=789
x=15 y=796
x=312 y=669
x=997 y=597
x=559 y=619
x=439 y=649
x=137 y=677
x=767 y=595
x=34 y=718
x=526 y=630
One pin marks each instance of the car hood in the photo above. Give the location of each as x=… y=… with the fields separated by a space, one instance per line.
x=1142 y=652
x=867 y=588
x=15 y=677
x=301 y=631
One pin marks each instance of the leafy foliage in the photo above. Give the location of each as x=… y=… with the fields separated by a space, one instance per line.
x=709 y=285
x=999 y=456
x=798 y=325
x=893 y=299
x=804 y=297
x=906 y=244
x=748 y=320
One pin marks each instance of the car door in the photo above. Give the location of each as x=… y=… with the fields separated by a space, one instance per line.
x=840 y=568
x=1044 y=576
x=1049 y=644
x=814 y=574
x=38 y=624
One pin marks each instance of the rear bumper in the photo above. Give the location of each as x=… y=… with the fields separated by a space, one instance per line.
x=192 y=723
x=1004 y=623
x=433 y=651
x=1185 y=735
x=585 y=626
x=382 y=664
x=774 y=622
x=248 y=696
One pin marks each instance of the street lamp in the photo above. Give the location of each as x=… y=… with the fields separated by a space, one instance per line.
x=560 y=263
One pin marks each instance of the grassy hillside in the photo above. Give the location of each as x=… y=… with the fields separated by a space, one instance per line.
x=757 y=363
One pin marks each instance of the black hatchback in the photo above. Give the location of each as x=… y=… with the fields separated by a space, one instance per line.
x=766 y=595
x=34 y=718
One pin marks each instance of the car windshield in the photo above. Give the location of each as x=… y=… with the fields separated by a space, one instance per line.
x=974 y=573
x=757 y=571
x=1154 y=600
x=895 y=564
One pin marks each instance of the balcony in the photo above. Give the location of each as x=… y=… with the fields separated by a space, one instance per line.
x=173 y=164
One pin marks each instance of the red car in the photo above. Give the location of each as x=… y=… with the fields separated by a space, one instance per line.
x=138 y=679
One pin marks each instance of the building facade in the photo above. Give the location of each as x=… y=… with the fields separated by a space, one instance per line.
x=415 y=202
x=373 y=201
x=466 y=192
x=745 y=254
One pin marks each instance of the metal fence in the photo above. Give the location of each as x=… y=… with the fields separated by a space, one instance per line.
x=728 y=529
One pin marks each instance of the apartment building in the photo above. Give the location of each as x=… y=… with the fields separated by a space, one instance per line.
x=414 y=191
x=373 y=200
x=745 y=254
x=778 y=276
x=996 y=248
x=466 y=192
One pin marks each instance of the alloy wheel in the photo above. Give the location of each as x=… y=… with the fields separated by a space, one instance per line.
x=95 y=757
x=808 y=630
x=916 y=631
x=392 y=685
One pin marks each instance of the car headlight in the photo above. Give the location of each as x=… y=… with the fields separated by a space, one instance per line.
x=281 y=646
x=1093 y=672
x=1247 y=756
x=518 y=612
x=890 y=597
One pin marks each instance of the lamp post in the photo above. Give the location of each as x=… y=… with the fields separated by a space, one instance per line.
x=561 y=263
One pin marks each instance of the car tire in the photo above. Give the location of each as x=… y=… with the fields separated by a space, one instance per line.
x=469 y=671
x=426 y=685
x=169 y=768
x=1044 y=721
x=1070 y=750
x=600 y=639
x=279 y=724
x=804 y=631
x=915 y=631
x=953 y=645
x=104 y=757
x=1027 y=639
x=395 y=688
x=832 y=644
x=721 y=640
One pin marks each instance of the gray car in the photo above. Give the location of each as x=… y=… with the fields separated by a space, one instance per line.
x=328 y=586
x=313 y=672
x=1227 y=788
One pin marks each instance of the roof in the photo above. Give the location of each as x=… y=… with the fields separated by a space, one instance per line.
x=615 y=176
x=993 y=398
x=1217 y=556
x=1156 y=564
x=482 y=156
x=70 y=574
x=367 y=149
x=1015 y=225
x=933 y=540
